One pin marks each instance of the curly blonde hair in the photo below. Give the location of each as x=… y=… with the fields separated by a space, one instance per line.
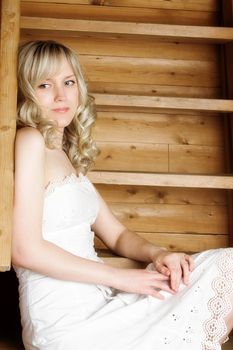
x=37 y=61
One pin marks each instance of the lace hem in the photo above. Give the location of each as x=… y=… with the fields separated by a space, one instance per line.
x=71 y=178
x=219 y=306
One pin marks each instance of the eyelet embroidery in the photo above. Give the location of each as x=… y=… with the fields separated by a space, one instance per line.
x=71 y=178
x=220 y=305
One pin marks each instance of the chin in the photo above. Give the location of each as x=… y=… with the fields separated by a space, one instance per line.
x=64 y=123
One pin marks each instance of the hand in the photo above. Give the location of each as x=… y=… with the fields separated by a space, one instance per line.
x=176 y=266
x=142 y=282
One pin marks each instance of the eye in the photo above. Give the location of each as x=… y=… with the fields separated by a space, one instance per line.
x=43 y=86
x=69 y=82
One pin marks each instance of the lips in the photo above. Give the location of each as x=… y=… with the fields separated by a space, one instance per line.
x=61 y=110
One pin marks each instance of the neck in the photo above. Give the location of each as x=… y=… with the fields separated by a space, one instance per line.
x=58 y=138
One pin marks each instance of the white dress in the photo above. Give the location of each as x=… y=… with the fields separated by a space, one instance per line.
x=63 y=315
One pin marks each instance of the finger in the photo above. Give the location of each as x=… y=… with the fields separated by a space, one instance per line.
x=158 y=275
x=162 y=286
x=191 y=262
x=165 y=271
x=176 y=275
x=156 y=294
x=185 y=267
x=162 y=269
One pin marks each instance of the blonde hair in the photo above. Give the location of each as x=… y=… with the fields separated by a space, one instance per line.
x=37 y=61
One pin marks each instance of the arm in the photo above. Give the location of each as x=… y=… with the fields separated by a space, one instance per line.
x=123 y=242
x=31 y=251
x=119 y=239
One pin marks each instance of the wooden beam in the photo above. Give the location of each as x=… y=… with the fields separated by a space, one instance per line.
x=10 y=13
x=180 y=103
x=160 y=31
x=167 y=180
x=227 y=57
x=197 y=5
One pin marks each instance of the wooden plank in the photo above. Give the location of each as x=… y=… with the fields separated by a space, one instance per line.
x=196 y=5
x=132 y=157
x=8 y=97
x=162 y=31
x=154 y=90
x=131 y=46
x=150 y=71
x=161 y=195
x=173 y=129
x=154 y=158
x=111 y=13
x=179 y=103
x=193 y=5
x=120 y=262
x=196 y=159
x=180 y=242
x=172 y=218
x=167 y=180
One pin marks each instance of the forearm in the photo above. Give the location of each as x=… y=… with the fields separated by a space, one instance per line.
x=51 y=260
x=135 y=247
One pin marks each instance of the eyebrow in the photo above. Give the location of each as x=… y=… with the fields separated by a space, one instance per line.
x=67 y=77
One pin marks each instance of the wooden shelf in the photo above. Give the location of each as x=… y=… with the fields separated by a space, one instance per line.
x=150 y=102
x=160 y=179
x=160 y=31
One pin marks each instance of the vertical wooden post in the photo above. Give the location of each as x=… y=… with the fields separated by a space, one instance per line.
x=227 y=20
x=10 y=15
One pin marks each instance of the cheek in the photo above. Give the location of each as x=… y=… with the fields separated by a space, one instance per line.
x=76 y=100
x=43 y=99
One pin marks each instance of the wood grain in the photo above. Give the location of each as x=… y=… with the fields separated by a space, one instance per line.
x=162 y=128
x=8 y=89
x=165 y=32
x=118 y=13
x=165 y=179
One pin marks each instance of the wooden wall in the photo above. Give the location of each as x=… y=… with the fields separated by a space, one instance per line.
x=132 y=66
x=148 y=140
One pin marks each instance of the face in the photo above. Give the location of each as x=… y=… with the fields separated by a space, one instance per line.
x=57 y=95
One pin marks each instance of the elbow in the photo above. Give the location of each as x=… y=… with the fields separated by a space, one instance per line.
x=21 y=256
x=18 y=258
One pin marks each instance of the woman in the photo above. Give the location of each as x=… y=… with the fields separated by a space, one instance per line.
x=69 y=299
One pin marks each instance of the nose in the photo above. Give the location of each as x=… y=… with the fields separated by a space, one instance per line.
x=59 y=93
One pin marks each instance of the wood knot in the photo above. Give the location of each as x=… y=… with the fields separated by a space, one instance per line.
x=132 y=191
x=184 y=141
x=160 y=195
x=98 y=2
x=108 y=157
x=4 y=128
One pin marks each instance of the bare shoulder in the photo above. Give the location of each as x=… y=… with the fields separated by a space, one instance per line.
x=29 y=157
x=30 y=137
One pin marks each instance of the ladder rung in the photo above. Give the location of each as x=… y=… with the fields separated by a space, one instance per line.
x=162 y=179
x=181 y=103
x=161 y=31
